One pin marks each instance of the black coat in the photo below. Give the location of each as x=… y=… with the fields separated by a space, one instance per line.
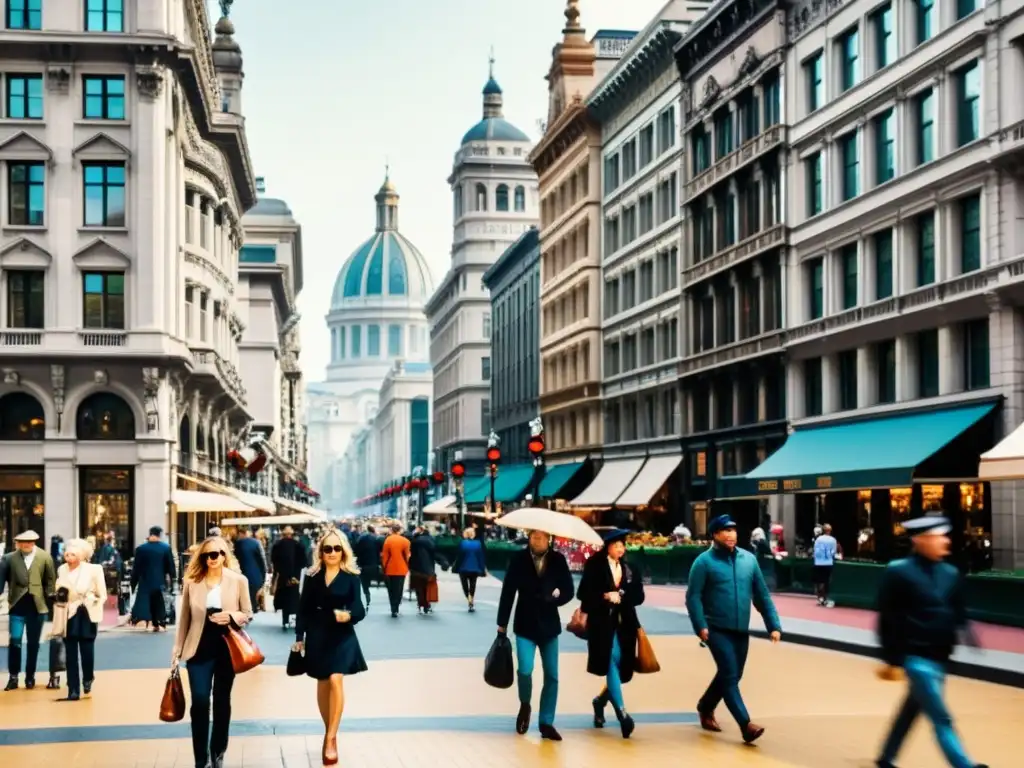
x=423 y=555
x=288 y=558
x=367 y=548
x=249 y=553
x=604 y=618
x=331 y=648
x=537 y=617
x=152 y=570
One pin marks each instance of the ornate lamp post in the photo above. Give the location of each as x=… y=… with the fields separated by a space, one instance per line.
x=458 y=472
x=536 y=449
x=493 y=459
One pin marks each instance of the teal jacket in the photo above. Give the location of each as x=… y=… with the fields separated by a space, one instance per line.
x=721 y=587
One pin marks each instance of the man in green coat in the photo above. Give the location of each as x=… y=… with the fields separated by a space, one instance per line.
x=30 y=574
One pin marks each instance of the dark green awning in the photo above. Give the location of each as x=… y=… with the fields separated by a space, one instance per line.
x=476 y=490
x=881 y=452
x=556 y=478
x=513 y=482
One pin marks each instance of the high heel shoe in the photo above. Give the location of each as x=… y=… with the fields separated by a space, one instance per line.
x=330 y=752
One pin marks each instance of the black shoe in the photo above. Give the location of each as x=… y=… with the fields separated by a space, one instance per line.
x=883 y=764
x=627 y=725
x=30 y=683
x=598 y=704
x=523 y=719
x=72 y=696
x=217 y=761
x=87 y=686
x=12 y=683
x=549 y=732
x=53 y=682
x=394 y=614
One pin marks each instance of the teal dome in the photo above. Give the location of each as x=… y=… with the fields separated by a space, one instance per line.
x=492 y=88
x=494 y=129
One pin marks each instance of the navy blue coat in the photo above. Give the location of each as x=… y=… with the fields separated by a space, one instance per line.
x=470 y=559
x=249 y=553
x=152 y=570
x=331 y=648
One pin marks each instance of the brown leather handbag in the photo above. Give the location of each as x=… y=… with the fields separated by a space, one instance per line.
x=172 y=705
x=432 y=592
x=578 y=624
x=245 y=654
x=646 y=662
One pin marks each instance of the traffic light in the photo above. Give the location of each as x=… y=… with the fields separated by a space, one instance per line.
x=458 y=470
x=438 y=478
x=494 y=454
x=536 y=446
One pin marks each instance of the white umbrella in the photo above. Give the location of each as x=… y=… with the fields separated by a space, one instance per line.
x=560 y=524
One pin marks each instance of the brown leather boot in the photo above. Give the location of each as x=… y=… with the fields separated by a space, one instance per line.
x=752 y=732
x=708 y=722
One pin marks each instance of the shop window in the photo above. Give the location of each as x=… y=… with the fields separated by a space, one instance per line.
x=928 y=363
x=21 y=417
x=105 y=416
x=21 y=503
x=106 y=507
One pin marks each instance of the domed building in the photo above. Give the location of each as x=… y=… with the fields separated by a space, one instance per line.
x=376 y=321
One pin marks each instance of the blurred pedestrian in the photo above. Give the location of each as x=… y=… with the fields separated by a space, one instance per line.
x=470 y=564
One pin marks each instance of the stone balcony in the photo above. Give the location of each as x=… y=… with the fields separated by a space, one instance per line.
x=1009 y=145
x=209 y=365
x=88 y=343
x=701 y=362
x=744 y=249
x=747 y=152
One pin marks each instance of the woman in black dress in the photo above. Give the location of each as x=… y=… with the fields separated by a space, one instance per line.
x=329 y=608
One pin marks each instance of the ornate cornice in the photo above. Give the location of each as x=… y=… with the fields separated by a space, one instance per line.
x=571 y=124
x=717 y=31
x=642 y=64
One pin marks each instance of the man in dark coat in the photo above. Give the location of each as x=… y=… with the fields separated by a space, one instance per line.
x=540 y=578
x=30 y=575
x=921 y=611
x=423 y=557
x=288 y=559
x=251 y=562
x=366 y=547
x=152 y=572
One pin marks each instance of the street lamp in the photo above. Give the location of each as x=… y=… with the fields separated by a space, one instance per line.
x=536 y=448
x=458 y=472
x=493 y=459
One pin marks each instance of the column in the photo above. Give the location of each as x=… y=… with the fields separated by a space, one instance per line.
x=829 y=384
x=866 y=271
x=148 y=193
x=796 y=404
x=951 y=359
x=865 y=169
x=906 y=369
x=759 y=276
x=867 y=378
x=61 y=508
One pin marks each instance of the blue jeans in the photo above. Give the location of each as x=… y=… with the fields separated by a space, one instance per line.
x=925 y=695
x=526 y=655
x=729 y=650
x=29 y=628
x=614 y=677
x=210 y=679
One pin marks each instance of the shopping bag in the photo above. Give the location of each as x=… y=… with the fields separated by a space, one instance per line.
x=58 y=655
x=498 y=670
x=578 y=624
x=432 y=594
x=646 y=662
x=244 y=652
x=172 y=705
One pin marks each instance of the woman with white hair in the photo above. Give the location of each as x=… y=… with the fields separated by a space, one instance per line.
x=81 y=592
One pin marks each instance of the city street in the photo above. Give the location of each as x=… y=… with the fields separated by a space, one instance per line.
x=424 y=703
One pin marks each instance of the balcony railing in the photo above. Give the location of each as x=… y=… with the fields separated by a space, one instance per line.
x=206 y=362
x=85 y=342
x=771 y=341
x=744 y=249
x=21 y=338
x=748 y=151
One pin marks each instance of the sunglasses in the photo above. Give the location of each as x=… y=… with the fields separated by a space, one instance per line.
x=327 y=549
x=208 y=556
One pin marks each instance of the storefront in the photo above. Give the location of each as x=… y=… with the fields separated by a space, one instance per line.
x=632 y=493
x=107 y=506
x=21 y=504
x=866 y=477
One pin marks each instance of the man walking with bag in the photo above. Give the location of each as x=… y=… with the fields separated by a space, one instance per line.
x=31 y=576
x=723 y=582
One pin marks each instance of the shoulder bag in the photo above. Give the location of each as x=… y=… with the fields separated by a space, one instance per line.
x=646 y=662
x=244 y=652
x=578 y=624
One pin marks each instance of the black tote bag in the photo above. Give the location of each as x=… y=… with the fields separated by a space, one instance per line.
x=498 y=670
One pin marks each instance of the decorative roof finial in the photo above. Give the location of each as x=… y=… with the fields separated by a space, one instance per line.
x=572 y=16
x=387 y=168
x=491 y=63
x=225 y=8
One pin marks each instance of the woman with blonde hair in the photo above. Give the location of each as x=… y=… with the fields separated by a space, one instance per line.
x=81 y=591
x=214 y=595
x=330 y=606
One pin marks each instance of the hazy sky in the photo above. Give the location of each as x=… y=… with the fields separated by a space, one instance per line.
x=333 y=88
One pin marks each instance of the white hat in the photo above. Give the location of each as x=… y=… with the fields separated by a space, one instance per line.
x=27 y=536
x=929 y=525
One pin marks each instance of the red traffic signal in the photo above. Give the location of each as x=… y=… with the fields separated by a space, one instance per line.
x=438 y=477
x=458 y=470
x=494 y=454
x=536 y=446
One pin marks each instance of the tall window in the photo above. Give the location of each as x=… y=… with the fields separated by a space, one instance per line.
x=667 y=129
x=104 y=16
x=928 y=363
x=104 y=194
x=701 y=145
x=373 y=341
x=481 y=198
x=646 y=145
x=814 y=73
x=487 y=325
x=485 y=368
x=816 y=271
x=851 y=166
x=848 y=259
x=25 y=299
x=885 y=369
x=885 y=40
x=729 y=220
x=965 y=8
x=924 y=106
x=970 y=233
x=394 y=341
x=968 y=107
x=611 y=174
x=849 y=59
x=815 y=203
x=628 y=160
x=976 y=354
x=103 y=300
x=103 y=97
x=926 y=249
x=723 y=133
x=885 y=147
x=25 y=97
x=813 y=387
x=883 y=264
x=772 y=99
x=520 y=199
x=924 y=20
x=357 y=341
x=26 y=194
x=848 y=379
x=501 y=198
x=24 y=14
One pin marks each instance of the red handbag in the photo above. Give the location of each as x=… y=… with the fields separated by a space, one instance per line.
x=172 y=705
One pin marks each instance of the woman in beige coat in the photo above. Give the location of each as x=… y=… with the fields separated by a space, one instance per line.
x=213 y=596
x=81 y=591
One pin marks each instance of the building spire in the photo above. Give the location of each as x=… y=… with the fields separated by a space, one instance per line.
x=573 y=34
x=387 y=202
x=493 y=98
x=490 y=62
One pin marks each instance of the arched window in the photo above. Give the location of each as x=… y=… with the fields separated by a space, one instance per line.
x=185 y=441
x=21 y=417
x=520 y=201
x=200 y=439
x=104 y=416
x=481 y=197
x=501 y=198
